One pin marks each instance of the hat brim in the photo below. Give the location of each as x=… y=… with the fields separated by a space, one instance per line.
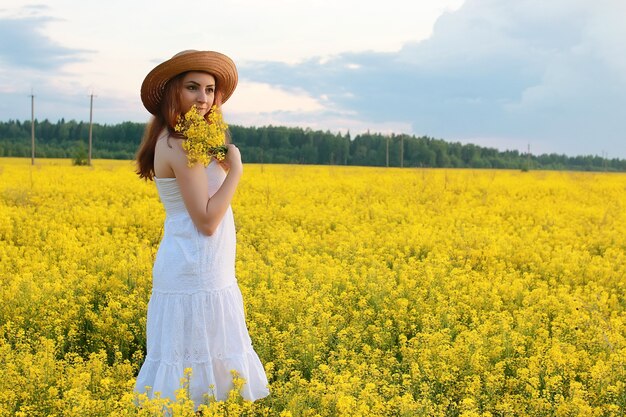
x=219 y=65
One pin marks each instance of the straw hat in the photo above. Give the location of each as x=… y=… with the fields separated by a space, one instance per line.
x=219 y=65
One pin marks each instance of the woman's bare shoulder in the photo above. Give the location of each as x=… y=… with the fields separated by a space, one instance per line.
x=168 y=155
x=168 y=144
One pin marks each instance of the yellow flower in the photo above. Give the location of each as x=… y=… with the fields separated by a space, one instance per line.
x=203 y=139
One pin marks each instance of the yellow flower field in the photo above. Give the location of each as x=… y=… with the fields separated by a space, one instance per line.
x=368 y=291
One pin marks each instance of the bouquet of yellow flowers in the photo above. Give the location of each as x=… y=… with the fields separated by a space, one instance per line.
x=203 y=139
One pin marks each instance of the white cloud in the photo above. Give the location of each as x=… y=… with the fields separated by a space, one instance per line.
x=258 y=97
x=260 y=104
x=317 y=120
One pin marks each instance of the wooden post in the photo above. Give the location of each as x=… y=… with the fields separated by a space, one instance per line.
x=387 y=154
x=90 y=126
x=402 y=151
x=32 y=127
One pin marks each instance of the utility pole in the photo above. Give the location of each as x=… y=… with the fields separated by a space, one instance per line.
x=402 y=151
x=90 y=126
x=32 y=127
x=528 y=157
x=387 y=154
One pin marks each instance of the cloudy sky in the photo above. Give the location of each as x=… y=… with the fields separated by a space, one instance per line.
x=500 y=73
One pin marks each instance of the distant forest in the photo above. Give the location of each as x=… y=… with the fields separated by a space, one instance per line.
x=288 y=145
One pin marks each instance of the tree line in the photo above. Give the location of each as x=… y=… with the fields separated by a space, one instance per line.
x=290 y=145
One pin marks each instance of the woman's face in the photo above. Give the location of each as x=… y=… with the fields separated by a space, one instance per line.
x=198 y=89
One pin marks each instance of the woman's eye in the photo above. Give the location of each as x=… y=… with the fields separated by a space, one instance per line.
x=209 y=90
x=191 y=87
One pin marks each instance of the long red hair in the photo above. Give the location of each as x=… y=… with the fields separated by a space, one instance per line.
x=167 y=118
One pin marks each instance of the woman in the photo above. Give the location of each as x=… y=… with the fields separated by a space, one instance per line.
x=195 y=314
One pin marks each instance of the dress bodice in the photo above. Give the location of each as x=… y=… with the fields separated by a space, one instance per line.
x=169 y=190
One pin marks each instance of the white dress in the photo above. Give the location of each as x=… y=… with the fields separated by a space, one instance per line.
x=195 y=313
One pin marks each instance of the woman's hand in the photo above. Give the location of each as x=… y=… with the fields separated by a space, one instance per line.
x=233 y=159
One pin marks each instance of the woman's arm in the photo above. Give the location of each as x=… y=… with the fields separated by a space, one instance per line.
x=206 y=213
